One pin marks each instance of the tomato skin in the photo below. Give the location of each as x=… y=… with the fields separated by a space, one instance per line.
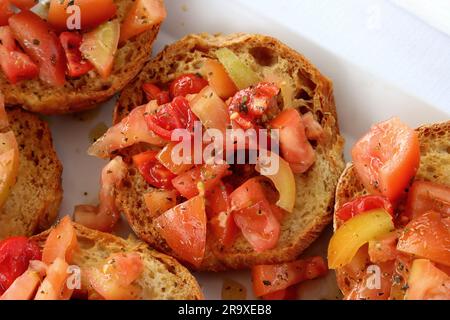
x=210 y=175
x=363 y=204
x=184 y=229
x=93 y=13
x=42 y=45
x=171 y=116
x=76 y=65
x=425 y=196
x=152 y=170
x=387 y=158
x=248 y=105
x=294 y=145
x=187 y=84
x=427 y=236
x=153 y=92
x=258 y=225
x=15 y=255
x=143 y=15
x=6 y=11
x=272 y=278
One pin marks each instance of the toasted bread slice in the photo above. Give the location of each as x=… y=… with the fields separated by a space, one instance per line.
x=163 y=277
x=89 y=90
x=434 y=167
x=309 y=91
x=33 y=202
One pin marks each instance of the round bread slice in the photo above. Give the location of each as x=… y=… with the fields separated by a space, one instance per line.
x=163 y=278
x=434 y=167
x=33 y=202
x=89 y=90
x=309 y=91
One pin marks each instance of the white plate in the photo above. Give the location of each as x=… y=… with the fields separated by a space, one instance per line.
x=361 y=100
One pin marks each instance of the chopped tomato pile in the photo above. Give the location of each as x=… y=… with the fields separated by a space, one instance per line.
x=60 y=46
x=28 y=272
x=192 y=195
x=399 y=235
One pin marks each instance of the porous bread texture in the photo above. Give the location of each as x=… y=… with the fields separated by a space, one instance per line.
x=434 y=167
x=34 y=200
x=309 y=91
x=89 y=90
x=163 y=278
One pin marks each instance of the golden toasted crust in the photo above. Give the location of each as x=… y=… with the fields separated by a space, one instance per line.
x=434 y=166
x=33 y=202
x=310 y=90
x=89 y=90
x=163 y=277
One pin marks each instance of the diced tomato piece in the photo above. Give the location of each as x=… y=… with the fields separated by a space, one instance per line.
x=15 y=255
x=24 y=4
x=76 y=65
x=6 y=11
x=384 y=248
x=248 y=105
x=249 y=193
x=15 y=64
x=42 y=44
x=425 y=196
x=187 y=84
x=313 y=129
x=210 y=175
x=93 y=13
x=218 y=208
x=427 y=236
x=272 y=278
x=294 y=145
x=61 y=242
x=171 y=116
x=153 y=92
x=387 y=158
x=290 y=293
x=115 y=280
x=24 y=287
x=363 y=204
x=184 y=229
x=54 y=286
x=218 y=78
x=143 y=15
x=258 y=225
x=427 y=282
x=152 y=170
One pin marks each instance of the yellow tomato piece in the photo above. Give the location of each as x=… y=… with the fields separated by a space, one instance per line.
x=165 y=157
x=241 y=74
x=210 y=109
x=356 y=232
x=283 y=179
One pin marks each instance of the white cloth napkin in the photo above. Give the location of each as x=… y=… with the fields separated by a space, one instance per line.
x=434 y=12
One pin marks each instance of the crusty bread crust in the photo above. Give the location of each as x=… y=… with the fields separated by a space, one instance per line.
x=311 y=91
x=34 y=200
x=434 y=166
x=89 y=90
x=163 y=277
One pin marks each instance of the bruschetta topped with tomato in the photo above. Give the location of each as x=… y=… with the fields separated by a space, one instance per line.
x=392 y=218
x=67 y=56
x=30 y=174
x=215 y=215
x=71 y=261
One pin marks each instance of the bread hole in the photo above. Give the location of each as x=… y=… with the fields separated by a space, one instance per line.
x=264 y=56
x=319 y=116
x=85 y=243
x=200 y=48
x=305 y=80
x=304 y=109
x=303 y=95
x=448 y=149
